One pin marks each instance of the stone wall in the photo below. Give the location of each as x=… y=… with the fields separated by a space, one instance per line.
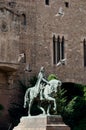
x=27 y=27
x=72 y=26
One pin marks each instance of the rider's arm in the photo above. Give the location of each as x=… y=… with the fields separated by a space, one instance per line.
x=45 y=81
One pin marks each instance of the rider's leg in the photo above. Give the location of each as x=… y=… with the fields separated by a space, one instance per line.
x=41 y=94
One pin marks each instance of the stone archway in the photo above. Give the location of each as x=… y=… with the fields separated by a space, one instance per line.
x=6 y=82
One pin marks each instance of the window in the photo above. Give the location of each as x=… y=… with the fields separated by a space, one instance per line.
x=84 y=44
x=58 y=49
x=23 y=19
x=22 y=58
x=12 y=4
x=67 y=4
x=47 y=2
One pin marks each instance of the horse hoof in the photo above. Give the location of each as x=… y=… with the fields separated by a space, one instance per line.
x=54 y=108
x=24 y=106
x=48 y=114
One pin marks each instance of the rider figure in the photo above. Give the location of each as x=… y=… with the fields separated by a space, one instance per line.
x=41 y=77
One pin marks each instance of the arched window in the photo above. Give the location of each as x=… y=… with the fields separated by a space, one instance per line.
x=62 y=48
x=54 y=49
x=84 y=45
x=47 y=2
x=66 y=4
x=58 y=49
x=23 y=19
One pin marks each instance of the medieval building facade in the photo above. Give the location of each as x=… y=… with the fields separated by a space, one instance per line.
x=35 y=33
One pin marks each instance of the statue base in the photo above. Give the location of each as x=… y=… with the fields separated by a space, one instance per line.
x=52 y=122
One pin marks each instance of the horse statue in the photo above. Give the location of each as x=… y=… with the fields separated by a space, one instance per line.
x=32 y=93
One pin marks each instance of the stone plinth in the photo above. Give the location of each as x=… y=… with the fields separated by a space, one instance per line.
x=42 y=123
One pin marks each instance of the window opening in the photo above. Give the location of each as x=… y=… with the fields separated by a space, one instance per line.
x=54 y=50
x=67 y=4
x=23 y=19
x=47 y=2
x=84 y=42
x=58 y=49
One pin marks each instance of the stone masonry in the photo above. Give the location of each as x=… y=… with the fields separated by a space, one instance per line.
x=41 y=123
x=26 y=29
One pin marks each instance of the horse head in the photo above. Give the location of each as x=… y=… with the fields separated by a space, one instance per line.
x=55 y=84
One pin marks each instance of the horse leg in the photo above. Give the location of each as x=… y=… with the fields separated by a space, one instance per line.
x=30 y=104
x=48 y=110
x=54 y=104
x=52 y=99
x=26 y=98
x=42 y=110
x=25 y=102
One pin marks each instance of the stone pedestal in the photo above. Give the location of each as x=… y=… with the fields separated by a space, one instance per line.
x=42 y=123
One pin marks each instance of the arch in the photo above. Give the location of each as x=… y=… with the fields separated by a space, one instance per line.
x=72 y=90
x=8 y=68
x=23 y=19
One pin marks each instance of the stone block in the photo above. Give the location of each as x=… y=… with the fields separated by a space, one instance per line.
x=42 y=123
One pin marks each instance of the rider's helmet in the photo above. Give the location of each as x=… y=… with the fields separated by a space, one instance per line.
x=42 y=69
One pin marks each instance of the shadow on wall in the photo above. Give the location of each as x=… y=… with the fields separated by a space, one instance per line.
x=73 y=90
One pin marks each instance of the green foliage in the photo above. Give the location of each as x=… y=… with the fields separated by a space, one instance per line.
x=52 y=76
x=74 y=113
x=73 y=90
x=85 y=92
x=60 y=100
x=81 y=125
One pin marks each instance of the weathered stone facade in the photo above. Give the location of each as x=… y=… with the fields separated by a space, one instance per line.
x=27 y=27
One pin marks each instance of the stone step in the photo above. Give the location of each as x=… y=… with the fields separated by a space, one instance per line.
x=41 y=123
x=54 y=119
x=57 y=127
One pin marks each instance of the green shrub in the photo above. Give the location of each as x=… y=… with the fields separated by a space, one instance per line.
x=52 y=76
x=85 y=92
x=60 y=100
x=73 y=90
x=74 y=112
x=81 y=125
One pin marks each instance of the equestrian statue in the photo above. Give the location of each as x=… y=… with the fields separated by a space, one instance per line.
x=44 y=89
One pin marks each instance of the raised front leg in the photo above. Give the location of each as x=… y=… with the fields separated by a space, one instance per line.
x=54 y=104
x=52 y=99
